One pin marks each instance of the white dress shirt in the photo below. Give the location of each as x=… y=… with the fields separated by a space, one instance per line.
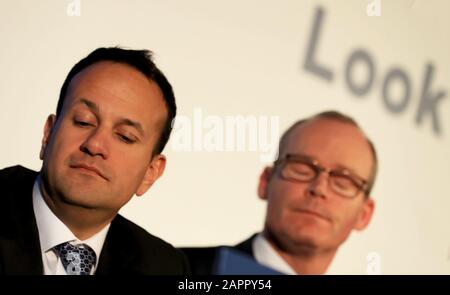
x=266 y=255
x=52 y=232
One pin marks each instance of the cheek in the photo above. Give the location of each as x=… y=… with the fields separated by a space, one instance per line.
x=346 y=219
x=291 y=193
x=282 y=197
x=129 y=170
x=64 y=139
x=57 y=149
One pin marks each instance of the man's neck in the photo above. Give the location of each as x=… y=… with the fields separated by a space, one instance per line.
x=308 y=263
x=304 y=260
x=82 y=222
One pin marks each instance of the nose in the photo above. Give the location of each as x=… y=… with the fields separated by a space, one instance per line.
x=96 y=144
x=318 y=186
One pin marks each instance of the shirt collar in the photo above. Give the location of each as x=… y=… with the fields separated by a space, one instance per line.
x=52 y=231
x=266 y=255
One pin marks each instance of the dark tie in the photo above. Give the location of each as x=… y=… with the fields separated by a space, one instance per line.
x=78 y=259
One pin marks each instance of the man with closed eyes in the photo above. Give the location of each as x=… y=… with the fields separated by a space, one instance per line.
x=102 y=147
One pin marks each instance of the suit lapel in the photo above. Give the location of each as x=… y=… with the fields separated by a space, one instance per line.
x=247 y=246
x=23 y=255
x=116 y=253
x=19 y=237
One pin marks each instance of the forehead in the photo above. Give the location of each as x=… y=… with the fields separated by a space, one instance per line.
x=333 y=144
x=118 y=89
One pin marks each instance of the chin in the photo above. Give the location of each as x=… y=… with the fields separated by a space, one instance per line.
x=84 y=197
x=79 y=201
x=305 y=241
x=308 y=235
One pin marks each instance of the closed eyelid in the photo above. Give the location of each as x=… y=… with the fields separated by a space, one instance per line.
x=348 y=174
x=346 y=171
x=85 y=118
x=132 y=124
x=127 y=134
x=340 y=171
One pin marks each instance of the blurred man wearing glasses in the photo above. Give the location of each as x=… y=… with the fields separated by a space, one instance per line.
x=317 y=192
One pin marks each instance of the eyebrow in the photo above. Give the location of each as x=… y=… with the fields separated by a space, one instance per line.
x=90 y=104
x=124 y=121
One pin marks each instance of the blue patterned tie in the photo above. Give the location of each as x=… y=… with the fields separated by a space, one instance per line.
x=78 y=259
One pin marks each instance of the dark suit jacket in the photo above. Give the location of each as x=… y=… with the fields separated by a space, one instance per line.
x=128 y=249
x=201 y=260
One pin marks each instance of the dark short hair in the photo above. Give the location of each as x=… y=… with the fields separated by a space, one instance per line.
x=142 y=61
x=337 y=116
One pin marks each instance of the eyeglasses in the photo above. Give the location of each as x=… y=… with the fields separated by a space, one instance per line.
x=300 y=168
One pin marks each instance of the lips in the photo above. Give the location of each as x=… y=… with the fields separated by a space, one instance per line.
x=313 y=213
x=90 y=168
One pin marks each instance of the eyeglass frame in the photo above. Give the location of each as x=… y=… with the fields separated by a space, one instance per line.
x=362 y=185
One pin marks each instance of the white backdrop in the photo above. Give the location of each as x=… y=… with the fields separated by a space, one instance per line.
x=246 y=58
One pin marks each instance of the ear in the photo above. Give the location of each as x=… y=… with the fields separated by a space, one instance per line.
x=264 y=179
x=49 y=124
x=365 y=215
x=154 y=170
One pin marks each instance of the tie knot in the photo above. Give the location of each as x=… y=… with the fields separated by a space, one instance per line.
x=76 y=259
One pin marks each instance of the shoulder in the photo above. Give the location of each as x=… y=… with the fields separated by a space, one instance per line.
x=200 y=253
x=247 y=245
x=16 y=210
x=201 y=259
x=150 y=254
x=17 y=187
x=137 y=234
x=15 y=174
